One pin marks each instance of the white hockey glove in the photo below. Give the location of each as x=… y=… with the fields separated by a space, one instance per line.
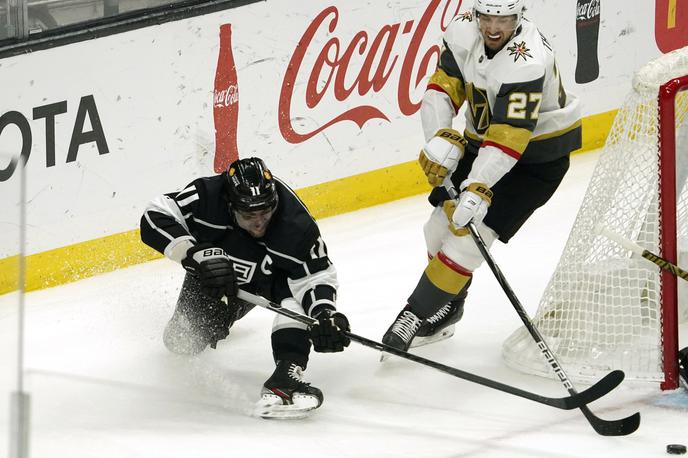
x=472 y=205
x=441 y=154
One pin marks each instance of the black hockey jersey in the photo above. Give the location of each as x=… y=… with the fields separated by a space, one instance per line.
x=290 y=260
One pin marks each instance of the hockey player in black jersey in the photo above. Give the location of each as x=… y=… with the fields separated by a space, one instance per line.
x=247 y=229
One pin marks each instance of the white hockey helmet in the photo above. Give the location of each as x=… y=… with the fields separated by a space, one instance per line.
x=501 y=8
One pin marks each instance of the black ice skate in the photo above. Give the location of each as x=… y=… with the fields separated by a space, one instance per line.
x=439 y=326
x=286 y=396
x=402 y=331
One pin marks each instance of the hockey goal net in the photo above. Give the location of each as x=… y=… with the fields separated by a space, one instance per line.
x=603 y=308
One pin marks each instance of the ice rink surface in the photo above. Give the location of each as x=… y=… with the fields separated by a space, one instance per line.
x=102 y=385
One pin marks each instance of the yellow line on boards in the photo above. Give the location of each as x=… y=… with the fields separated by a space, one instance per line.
x=75 y=262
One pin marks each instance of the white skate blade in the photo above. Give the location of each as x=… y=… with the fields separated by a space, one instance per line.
x=442 y=335
x=273 y=406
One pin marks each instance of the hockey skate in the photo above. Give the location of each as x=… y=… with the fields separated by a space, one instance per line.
x=402 y=331
x=286 y=396
x=439 y=326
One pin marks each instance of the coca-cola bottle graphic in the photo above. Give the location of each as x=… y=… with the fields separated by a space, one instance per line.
x=225 y=103
x=587 y=34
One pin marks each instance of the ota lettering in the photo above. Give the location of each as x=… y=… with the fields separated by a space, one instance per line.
x=87 y=108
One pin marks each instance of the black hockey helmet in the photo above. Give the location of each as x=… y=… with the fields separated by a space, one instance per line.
x=250 y=185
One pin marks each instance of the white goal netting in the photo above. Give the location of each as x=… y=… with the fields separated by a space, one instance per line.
x=602 y=307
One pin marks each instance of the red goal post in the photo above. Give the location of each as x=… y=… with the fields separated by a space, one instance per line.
x=668 y=93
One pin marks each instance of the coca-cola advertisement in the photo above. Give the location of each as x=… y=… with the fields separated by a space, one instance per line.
x=225 y=103
x=343 y=77
x=587 y=37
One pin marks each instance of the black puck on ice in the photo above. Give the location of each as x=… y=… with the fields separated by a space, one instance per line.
x=676 y=449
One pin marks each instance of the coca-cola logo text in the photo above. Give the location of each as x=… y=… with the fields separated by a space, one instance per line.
x=330 y=72
x=587 y=11
x=226 y=97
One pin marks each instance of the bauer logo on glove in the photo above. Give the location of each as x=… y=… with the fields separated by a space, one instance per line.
x=452 y=136
x=213 y=268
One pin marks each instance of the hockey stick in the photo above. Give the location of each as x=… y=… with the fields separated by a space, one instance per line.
x=640 y=251
x=620 y=427
x=576 y=400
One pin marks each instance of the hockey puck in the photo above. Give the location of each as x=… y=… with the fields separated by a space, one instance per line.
x=676 y=449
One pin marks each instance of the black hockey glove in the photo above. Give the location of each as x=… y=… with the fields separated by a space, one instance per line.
x=327 y=334
x=213 y=268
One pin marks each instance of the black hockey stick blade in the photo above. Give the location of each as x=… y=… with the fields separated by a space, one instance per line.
x=567 y=403
x=621 y=427
x=600 y=388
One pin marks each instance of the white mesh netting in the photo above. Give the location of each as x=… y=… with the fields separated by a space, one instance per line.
x=601 y=309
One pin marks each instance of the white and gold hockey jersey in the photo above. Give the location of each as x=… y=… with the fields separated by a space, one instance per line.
x=516 y=100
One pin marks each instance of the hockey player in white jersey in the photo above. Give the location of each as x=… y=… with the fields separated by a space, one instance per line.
x=246 y=228
x=521 y=126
